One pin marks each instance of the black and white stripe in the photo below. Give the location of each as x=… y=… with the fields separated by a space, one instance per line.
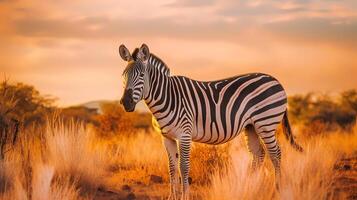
x=214 y=112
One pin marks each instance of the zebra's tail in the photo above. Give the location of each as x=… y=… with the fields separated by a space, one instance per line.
x=288 y=134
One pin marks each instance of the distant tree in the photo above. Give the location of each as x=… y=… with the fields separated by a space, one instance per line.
x=30 y=107
x=322 y=112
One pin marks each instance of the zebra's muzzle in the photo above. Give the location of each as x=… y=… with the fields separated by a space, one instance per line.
x=127 y=101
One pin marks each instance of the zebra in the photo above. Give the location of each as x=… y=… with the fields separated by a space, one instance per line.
x=214 y=112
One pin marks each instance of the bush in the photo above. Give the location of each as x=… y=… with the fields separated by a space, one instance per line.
x=322 y=113
x=115 y=120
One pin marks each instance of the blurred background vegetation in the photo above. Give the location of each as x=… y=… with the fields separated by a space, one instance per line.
x=23 y=107
x=315 y=113
x=25 y=104
x=321 y=113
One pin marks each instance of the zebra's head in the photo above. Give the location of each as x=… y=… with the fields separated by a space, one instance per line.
x=134 y=75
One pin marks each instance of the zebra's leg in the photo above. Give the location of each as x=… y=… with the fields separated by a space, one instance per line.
x=254 y=146
x=273 y=148
x=172 y=153
x=185 y=148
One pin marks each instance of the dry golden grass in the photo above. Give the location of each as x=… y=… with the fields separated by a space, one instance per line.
x=72 y=162
x=75 y=153
x=308 y=175
x=63 y=162
x=134 y=158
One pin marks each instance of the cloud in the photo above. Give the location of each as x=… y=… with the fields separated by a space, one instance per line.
x=317 y=30
x=191 y=3
x=288 y=10
x=338 y=31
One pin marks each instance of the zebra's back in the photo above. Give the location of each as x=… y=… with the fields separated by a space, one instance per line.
x=221 y=109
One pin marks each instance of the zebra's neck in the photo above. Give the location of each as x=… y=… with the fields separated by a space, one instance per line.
x=159 y=85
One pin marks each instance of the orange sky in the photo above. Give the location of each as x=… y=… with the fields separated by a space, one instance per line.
x=69 y=49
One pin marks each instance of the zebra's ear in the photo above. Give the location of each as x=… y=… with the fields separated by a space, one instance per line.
x=144 y=52
x=124 y=53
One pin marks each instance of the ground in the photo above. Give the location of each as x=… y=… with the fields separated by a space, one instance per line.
x=345 y=185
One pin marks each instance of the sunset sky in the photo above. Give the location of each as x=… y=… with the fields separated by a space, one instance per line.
x=69 y=49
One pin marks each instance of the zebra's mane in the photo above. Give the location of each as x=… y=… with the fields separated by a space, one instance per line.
x=155 y=62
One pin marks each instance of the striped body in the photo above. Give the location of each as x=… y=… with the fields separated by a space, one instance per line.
x=219 y=110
